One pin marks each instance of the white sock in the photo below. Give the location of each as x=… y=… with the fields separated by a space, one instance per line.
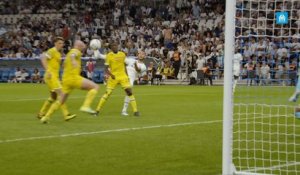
x=295 y=94
x=234 y=84
x=126 y=103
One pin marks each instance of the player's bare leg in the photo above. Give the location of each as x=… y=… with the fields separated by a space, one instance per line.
x=296 y=94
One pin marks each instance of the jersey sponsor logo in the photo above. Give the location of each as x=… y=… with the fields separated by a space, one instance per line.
x=117 y=58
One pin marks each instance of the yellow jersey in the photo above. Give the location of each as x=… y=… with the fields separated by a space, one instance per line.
x=53 y=61
x=116 y=63
x=69 y=70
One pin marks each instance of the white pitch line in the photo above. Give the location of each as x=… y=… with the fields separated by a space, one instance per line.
x=108 y=131
x=35 y=99
x=272 y=167
x=76 y=97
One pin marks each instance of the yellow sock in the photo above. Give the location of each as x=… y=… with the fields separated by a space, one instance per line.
x=53 y=108
x=89 y=98
x=46 y=106
x=101 y=103
x=64 y=109
x=133 y=103
x=103 y=99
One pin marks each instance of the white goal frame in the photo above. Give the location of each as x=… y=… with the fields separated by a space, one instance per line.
x=227 y=164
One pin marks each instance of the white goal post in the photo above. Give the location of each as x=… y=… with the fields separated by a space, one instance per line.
x=227 y=164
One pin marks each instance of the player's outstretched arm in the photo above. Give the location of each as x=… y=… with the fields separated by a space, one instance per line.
x=98 y=55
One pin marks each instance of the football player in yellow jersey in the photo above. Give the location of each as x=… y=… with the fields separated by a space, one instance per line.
x=71 y=79
x=115 y=68
x=51 y=61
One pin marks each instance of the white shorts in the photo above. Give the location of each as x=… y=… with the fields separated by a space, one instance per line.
x=131 y=79
x=236 y=72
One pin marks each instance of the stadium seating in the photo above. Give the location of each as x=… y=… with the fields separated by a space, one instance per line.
x=5 y=75
x=207 y=34
x=98 y=76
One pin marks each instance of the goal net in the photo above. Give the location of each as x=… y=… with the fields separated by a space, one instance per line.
x=265 y=134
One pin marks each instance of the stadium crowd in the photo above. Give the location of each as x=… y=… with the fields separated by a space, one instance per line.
x=186 y=35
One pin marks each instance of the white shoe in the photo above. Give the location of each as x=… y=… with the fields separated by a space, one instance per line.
x=292 y=99
x=124 y=114
x=87 y=110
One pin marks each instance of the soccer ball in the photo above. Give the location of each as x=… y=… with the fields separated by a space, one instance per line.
x=95 y=44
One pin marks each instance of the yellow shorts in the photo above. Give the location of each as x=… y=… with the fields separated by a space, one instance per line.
x=72 y=83
x=112 y=83
x=53 y=83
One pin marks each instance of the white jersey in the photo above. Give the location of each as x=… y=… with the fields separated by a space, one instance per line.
x=98 y=55
x=237 y=58
x=130 y=67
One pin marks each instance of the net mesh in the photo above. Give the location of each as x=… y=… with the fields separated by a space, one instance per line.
x=265 y=131
x=266 y=139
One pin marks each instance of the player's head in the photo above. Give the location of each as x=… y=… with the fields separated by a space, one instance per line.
x=79 y=45
x=237 y=50
x=59 y=43
x=114 y=46
x=141 y=55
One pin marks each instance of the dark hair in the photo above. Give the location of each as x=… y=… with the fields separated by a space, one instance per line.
x=113 y=43
x=59 y=39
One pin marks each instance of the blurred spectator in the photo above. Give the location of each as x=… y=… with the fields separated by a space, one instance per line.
x=17 y=77
x=176 y=59
x=90 y=68
x=265 y=74
x=36 y=77
x=208 y=74
x=167 y=71
x=158 y=75
x=20 y=76
x=151 y=72
x=250 y=73
x=257 y=72
x=162 y=29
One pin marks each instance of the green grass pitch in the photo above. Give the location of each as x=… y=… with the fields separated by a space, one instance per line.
x=179 y=133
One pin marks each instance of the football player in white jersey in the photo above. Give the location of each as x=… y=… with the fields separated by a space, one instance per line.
x=134 y=66
x=237 y=58
x=296 y=94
